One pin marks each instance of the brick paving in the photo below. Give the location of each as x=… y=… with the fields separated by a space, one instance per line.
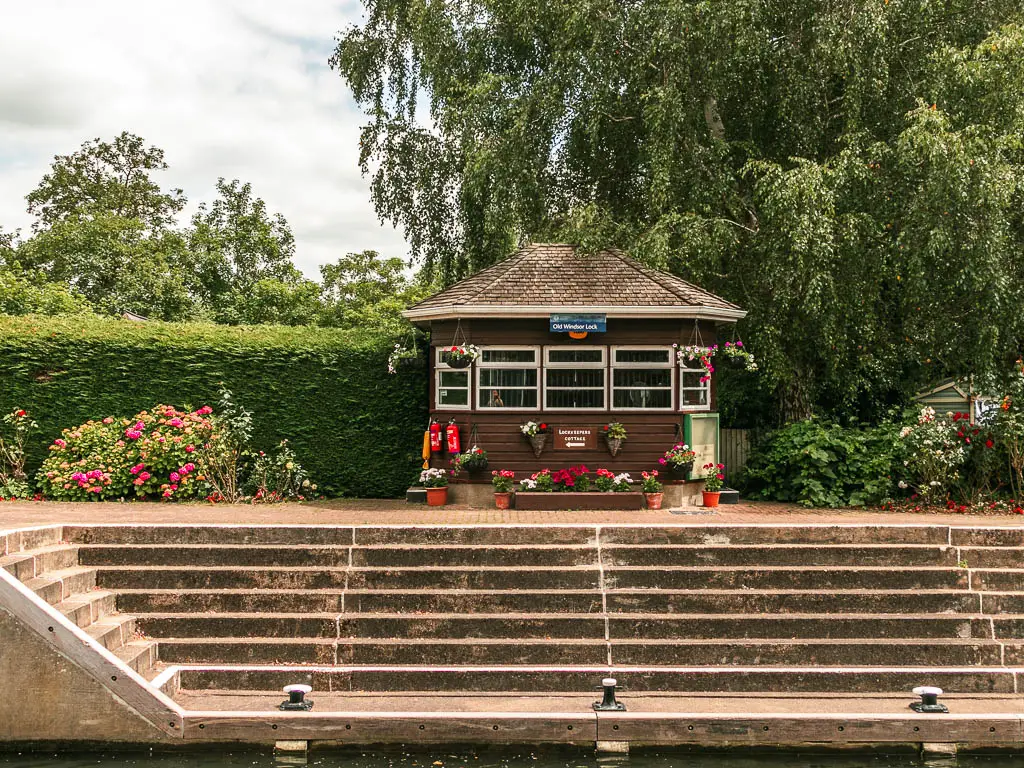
x=397 y=512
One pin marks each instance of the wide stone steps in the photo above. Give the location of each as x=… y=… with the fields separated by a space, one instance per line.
x=690 y=607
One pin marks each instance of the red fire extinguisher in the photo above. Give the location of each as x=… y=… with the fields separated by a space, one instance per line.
x=435 y=437
x=452 y=435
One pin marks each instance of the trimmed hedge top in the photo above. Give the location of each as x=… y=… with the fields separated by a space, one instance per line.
x=357 y=430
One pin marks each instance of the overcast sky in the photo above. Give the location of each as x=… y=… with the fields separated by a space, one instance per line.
x=233 y=88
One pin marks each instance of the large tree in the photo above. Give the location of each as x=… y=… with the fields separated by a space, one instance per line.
x=364 y=289
x=106 y=179
x=848 y=170
x=235 y=243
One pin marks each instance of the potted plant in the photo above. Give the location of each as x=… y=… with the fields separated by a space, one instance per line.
x=403 y=357
x=436 y=483
x=713 y=481
x=473 y=461
x=653 y=489
x=502 y=480
x=460 y=357
x=537 y=433
x=737 y=355
x=614 y=434
x=678 y=460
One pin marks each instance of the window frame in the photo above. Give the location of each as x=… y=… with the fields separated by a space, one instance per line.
x=480 y=365
x=439 y=366
x=601 y=366
x=669 y=365
x=685 y=367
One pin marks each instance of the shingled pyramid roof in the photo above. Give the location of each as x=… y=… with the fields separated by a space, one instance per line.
x=542 y=278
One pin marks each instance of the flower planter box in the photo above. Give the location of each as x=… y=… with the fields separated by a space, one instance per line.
x=591 y=500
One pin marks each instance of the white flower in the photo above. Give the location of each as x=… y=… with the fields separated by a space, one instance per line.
x=902 y=483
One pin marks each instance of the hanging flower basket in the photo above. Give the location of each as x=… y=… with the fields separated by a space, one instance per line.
x=460 y=362
x=460 y=357
x=537 y=442
x=614 y=434
x=680 y=471
x=414 y=363
x=614 y=445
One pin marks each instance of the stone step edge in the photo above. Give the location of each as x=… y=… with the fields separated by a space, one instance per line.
x=588 y=641
x=639 y=591
x=618 y=616
x=415 y=546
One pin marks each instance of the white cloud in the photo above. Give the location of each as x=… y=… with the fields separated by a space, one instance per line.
x=233 y=88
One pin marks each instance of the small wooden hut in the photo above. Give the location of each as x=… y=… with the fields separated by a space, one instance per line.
x=575 y=341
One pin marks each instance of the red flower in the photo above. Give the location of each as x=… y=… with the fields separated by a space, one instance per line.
x=989 y=443
x=20 y=414
x=543 y=427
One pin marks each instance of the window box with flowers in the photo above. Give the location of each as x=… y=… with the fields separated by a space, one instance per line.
x=570 y=488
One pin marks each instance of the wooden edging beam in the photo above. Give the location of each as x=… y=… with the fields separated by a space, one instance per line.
x=71 y=642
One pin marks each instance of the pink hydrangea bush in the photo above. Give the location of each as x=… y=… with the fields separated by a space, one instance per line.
x=152 y=455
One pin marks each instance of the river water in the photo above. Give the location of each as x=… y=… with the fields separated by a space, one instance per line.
x=441 y=757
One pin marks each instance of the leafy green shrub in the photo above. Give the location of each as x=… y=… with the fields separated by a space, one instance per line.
x=13 y=479
x=355 y=429
x=818 y=464
x=152 y=454
x=278 y=476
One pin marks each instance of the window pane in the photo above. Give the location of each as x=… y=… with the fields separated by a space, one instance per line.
x=643 y=377
x=568 y=377
x=695 y=397
x=453 y=397
x=508 y=398
x=508 y=377
x=508 y=356
x=454 y=378
x=642 y=398
x=574 y=398
x=581 y=355
x=641 y=356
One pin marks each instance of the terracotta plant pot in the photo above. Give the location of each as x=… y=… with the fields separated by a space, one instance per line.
x=711 y=498
x=537 y=442
x=654 y=500
x=502 y=500
x=614 y=445
x=437 y=497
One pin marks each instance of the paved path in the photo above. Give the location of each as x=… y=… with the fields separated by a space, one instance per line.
x=391 y=511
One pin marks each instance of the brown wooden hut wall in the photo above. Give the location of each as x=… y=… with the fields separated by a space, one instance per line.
x=650 y=434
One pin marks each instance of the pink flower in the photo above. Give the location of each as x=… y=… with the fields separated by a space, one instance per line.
x=662 y=461
x=60 y=443
x=144 y=476
x=140 y=425
x=139 y=481
x=189 y=448
x=176 y=422
x=108 y=420
x=175 y=477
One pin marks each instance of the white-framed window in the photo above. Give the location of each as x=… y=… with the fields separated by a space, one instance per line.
x=508 y=378
x=694 y=394
x=575 y=379
x=642 y=378
x=451 y=386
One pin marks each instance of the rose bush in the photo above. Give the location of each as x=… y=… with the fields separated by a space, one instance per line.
x=154 y=454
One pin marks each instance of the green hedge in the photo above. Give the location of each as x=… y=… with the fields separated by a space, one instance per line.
x=356 y=429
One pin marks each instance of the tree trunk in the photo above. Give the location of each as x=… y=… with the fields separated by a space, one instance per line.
x=794 y=401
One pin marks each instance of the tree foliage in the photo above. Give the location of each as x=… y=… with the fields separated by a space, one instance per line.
x=847 y=170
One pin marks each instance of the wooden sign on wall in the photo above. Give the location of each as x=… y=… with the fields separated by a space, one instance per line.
x=575 y=438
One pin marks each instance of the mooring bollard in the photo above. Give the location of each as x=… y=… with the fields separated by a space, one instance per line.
x=297 y=701
x=929 y=703
x=608 y=703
